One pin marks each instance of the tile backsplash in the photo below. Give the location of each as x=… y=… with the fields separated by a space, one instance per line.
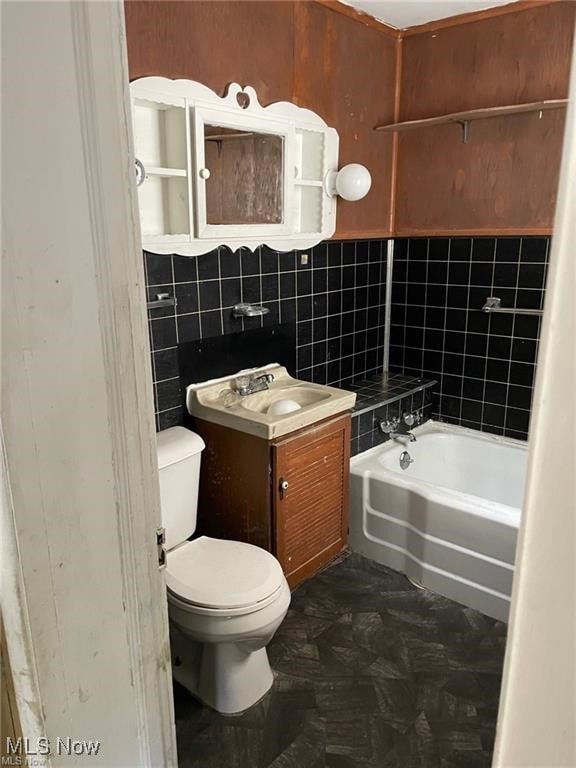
x=334 y=293
x=366 y=429
x=484 y=363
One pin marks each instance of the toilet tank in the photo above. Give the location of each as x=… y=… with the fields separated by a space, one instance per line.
x=179 y=455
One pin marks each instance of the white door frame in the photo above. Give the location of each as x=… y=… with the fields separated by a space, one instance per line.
x=83 y=601
x=536 y=721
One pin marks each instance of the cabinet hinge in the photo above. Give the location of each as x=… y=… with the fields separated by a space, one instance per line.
x=160 y=547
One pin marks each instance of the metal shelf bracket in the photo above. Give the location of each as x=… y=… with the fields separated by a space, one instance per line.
x=465 y=125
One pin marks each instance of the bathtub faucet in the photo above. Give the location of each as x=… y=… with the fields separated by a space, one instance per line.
x=390 y=426
x=409 y=437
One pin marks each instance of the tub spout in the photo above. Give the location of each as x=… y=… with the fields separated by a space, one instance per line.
x=407 y=437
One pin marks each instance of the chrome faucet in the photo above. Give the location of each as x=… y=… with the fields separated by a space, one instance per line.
x=408 y=437
x=390 y=427
x=247 y=385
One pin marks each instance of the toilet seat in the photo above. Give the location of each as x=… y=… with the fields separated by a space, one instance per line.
x=212 y=575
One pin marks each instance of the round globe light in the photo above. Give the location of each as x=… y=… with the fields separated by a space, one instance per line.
x=353 y=182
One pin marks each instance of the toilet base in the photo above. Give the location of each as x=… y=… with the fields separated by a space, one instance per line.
x=232 y=680
x=224 y=676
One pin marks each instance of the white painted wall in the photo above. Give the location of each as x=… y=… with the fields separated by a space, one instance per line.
x=76 y=395
x=537 y=720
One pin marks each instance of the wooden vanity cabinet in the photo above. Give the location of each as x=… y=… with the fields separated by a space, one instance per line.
x=288 y=495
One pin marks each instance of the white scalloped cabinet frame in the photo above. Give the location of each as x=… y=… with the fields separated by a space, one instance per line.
x=168 y=122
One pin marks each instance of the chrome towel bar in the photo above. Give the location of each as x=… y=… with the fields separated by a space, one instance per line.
x=494 y=304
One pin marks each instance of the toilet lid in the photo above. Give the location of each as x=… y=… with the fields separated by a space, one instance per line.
x=216 y=573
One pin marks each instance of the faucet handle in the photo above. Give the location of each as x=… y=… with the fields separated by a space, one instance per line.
x=389 y=425
x=411 y=418
x=241 y=384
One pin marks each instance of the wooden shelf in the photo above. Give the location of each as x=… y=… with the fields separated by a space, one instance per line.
x=475 y=114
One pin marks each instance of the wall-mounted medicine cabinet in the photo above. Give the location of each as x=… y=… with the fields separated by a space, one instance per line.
x=226 y=171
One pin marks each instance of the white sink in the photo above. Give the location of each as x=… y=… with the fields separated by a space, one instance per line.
x=299 y=393
x=217 y=402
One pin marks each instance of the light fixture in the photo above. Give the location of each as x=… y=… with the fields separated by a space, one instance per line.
x=352 y=182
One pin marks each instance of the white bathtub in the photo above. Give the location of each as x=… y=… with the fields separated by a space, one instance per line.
x=450 y=520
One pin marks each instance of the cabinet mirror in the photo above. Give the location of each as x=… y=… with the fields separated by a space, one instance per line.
x=225 y=170
x=245 y=181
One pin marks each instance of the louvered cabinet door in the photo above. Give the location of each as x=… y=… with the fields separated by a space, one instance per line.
x=311 y=479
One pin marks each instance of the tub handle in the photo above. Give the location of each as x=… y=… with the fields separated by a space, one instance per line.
x=390 y=425
x=412 y=417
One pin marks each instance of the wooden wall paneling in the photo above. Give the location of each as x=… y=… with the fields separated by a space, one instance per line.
x=234 y=499
x=345 y=71
x=515 y=6
x=344 y=68
x=492 y=62
x=254 y=163
x=360 y=16
x=504 y=180
x=395 y=137
x=215 y=43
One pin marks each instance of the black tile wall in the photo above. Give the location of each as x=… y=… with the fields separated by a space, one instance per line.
x=336 y=301
x=484 y=363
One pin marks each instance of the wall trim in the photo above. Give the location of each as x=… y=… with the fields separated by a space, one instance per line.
x=488 y=232
x=370 y=235
x=21 y=663
x=534 y=728
x=361 y=17
x=126 y=405
x=77 y=396
x=388 y=306
x=474 y=16
x=396 y=135
x=433 y=26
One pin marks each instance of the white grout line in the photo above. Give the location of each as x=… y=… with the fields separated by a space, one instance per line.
x=387 y=303
x=220 y=294
x=515 y=304
x=440 y=396
x=259 y=252
x=466 y=322
x=485 y=377
x=425 y=305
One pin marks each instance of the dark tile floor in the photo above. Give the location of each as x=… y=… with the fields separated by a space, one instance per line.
x=370 y=672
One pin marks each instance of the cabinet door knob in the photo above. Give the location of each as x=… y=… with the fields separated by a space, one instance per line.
x=283 y=488
x=204 y=173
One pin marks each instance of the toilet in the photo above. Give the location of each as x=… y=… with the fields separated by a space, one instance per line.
x=226 y=599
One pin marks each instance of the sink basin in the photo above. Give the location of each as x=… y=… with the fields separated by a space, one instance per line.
x=217 y=402
x=304 y=396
